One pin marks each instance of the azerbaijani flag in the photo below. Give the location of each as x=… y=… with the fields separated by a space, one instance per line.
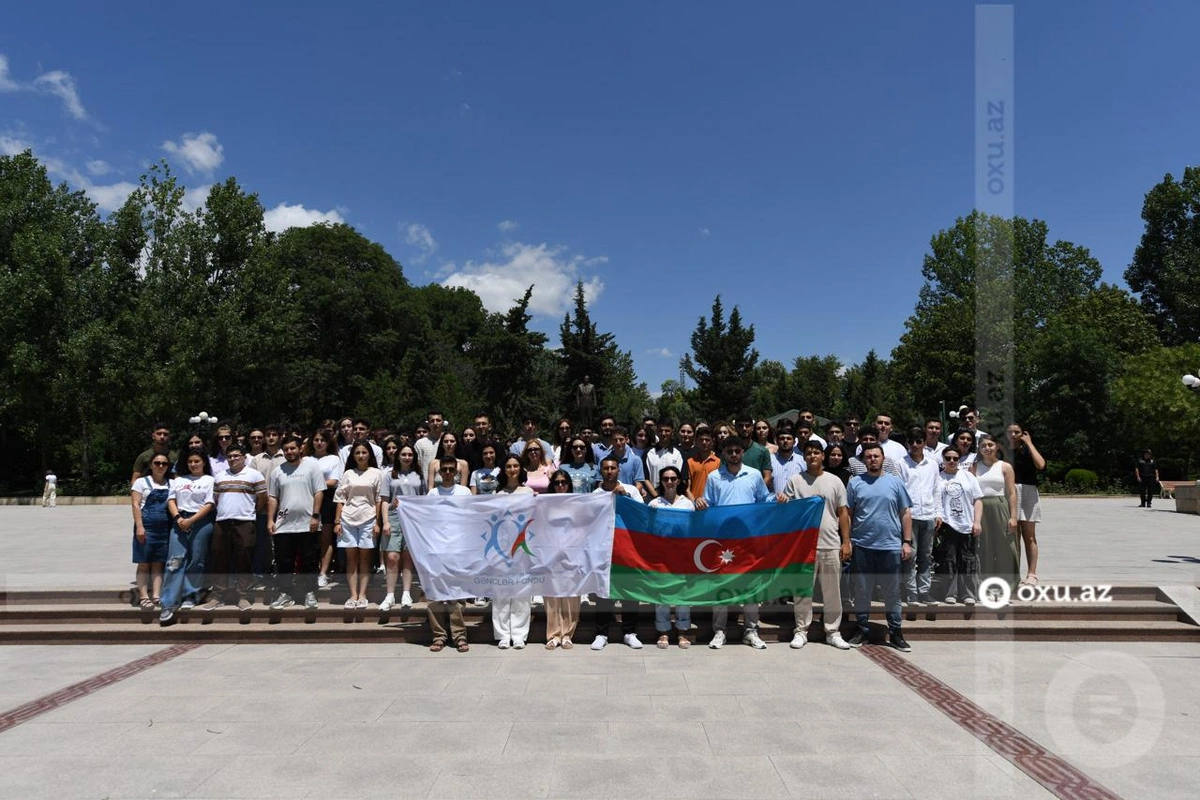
x=727 y=554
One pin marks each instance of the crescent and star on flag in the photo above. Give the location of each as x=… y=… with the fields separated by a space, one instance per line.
x=725 y=557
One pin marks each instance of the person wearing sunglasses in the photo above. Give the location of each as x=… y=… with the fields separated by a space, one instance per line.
x=151 y=529
x=667 y=495
x=222 y=438
x=562 y=613
x=958 y=506
x=538 y=466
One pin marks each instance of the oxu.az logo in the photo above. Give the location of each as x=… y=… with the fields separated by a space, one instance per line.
x=508 y=534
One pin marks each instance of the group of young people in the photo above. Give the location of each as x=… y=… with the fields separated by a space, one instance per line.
x=922 y=522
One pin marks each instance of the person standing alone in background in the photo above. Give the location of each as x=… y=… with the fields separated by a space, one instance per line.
x=50 y=491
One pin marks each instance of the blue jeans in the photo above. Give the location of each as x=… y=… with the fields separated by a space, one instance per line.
x=187 y=556
x=918 y=570
x=872 y=568
x=662 y=618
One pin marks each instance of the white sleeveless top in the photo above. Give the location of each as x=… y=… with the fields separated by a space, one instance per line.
x=991 y=479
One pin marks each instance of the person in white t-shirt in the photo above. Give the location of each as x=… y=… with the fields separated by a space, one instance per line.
x=959 y=507
x=190 y=504
x=358 y=509
x=666 y=495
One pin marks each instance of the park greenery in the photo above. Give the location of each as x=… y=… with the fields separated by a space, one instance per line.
x=157 y=311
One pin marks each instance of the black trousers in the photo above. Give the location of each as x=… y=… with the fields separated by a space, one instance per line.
x=605 y=608
x=296 y=560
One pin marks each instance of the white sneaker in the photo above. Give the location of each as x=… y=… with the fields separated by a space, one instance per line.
x=322 y=582
x=188 y=605
x=585 y=600
x=310 y=600
x=799 y=640
x=949 y=601
x=538 y=600
x=633 y=641
x=969 y=601
x=600 y=642
x=717 y=641
x=504 y=644
x=387 y=603
x=406 y=600
x=518 y=644
x=752 y=638
x=835 y=639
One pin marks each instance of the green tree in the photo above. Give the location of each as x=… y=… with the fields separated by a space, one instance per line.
x=816 y=384
x=1154 y=408
x=585 y=352
x=722 y=364
x=772 y=389
x=1166 y=264
x=984 y=259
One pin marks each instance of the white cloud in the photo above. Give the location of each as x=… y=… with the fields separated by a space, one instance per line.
x=419 y=237
x=453 y=75
x=553 y=275
x=195 y=197
x=283 y=216
x=7 y=84
x=507 y=226
x=201 y=152
x=62 y=85
x=110 y=197
x=705 y=232
x=11 y=146
x=98 y=167
x=660 y=351
x=464 y=109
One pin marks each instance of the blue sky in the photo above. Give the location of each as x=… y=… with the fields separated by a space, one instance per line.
x=662 y=153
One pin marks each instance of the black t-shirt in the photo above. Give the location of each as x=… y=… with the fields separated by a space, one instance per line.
x=1146 y=469
x=1024 y=472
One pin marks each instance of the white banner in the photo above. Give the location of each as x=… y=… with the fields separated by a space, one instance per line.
x=510 y=545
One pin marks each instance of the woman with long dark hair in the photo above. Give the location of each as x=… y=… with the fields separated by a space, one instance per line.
x=562 y=613
x=510 y=616
x=447 y=448
x=1027 y=462
x=191 y=506
x=403 y=479
x=358 y=508
x=998 y=549
x=837 y=461
x=669 y=497
x=322 y=446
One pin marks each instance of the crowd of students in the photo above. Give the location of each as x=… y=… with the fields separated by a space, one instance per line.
x=294 y=510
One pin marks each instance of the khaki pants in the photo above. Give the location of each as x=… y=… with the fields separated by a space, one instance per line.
x=562 y=617
x=829 y=577
x=458 y=628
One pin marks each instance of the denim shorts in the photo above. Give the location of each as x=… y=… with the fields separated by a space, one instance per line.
x=357 y=536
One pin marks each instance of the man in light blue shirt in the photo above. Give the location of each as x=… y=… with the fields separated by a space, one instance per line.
x=735 y=484
x=881 y=532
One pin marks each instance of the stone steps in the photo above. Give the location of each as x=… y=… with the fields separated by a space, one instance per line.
x=1135 y=613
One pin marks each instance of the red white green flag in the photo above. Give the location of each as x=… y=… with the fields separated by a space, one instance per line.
x=727 y=554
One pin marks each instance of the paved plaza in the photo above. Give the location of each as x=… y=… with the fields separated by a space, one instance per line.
x=952 y=719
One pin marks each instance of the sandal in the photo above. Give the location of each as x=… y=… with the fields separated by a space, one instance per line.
x=664 y=642
x=684 y=642
x=1031 y=580
x=552 y=643
x=157 y=601
x=146 y=604
x=462 y=646
x=437 y=646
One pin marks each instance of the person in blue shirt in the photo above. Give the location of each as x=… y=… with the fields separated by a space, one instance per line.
x=733 y=484
x=881 y=534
